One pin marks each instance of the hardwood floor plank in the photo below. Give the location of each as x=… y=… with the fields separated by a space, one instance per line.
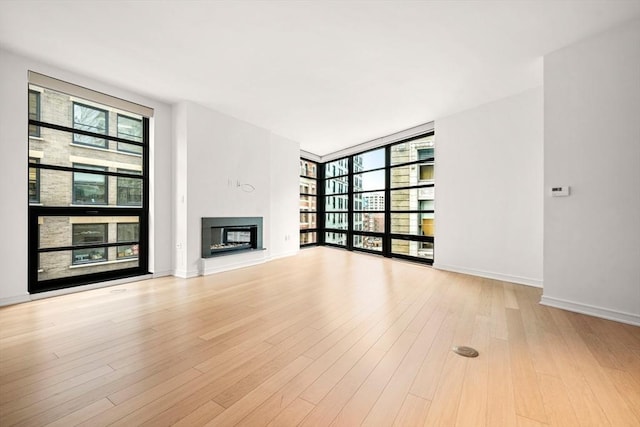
x=413 y=412
x=235 y=413
x=501 y=407
x=83 y=414
x=475 y=389
x=528 y=398
x=357 y=408
x=556 y=401
x=201 y=415
x=386 y=408
x=292 y=415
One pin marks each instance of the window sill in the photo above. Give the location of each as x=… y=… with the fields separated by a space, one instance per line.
x=36 y=138
x=93 y=264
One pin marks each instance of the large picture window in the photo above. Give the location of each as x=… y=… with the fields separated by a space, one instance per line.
x=88 y=208
x=382 y=200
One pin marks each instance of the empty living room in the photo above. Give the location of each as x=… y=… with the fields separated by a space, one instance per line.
x=320 y=213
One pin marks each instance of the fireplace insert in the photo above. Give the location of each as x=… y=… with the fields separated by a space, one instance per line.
x=222 y=236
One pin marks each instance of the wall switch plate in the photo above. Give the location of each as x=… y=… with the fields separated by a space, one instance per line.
x=560 y=191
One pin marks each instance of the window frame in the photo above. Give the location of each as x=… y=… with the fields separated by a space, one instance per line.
x=62 y=208
x=353 y=175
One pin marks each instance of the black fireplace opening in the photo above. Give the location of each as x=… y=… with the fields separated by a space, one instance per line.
x=223 y=236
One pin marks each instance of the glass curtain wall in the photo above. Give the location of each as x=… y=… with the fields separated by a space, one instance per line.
x=381 y=201
x=88 y=191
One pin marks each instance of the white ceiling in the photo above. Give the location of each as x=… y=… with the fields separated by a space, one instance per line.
x=328 y=74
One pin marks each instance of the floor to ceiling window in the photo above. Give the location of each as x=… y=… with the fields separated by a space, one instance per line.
x=88 y=186
x=381 y=200
x=308 y=202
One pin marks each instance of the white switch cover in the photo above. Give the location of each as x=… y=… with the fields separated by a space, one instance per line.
x=560 y=191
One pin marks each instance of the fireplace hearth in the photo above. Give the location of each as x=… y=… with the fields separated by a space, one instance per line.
x=229 y=235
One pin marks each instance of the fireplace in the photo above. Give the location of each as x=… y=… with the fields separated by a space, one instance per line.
x=229 y=235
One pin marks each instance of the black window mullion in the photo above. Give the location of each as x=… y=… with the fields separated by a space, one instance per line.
x=386 y=241
x=86 y=133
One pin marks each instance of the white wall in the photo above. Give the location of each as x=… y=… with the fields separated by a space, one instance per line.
x=13 y=164
x=489 y=190
x=285 y=197
x=232 y=168
x=592 y=143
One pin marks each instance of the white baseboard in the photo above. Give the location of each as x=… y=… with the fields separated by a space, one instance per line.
x=14 y=300
x=491 y=275
x=185 y=274
x=165 y=273
x=591 y=310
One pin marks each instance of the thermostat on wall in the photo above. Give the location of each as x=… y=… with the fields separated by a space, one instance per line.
x=560 y=191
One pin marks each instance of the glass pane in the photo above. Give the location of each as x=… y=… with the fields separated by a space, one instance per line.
x=417 y=224
x=308 y=203
x=129 y=190
x=412 y=150
x=411 y=248
x=368 y=242
x=373 y=201
x=55 y=265
x=336 y=238
x=34 y=112
x=90 y=119
x=406 y=176
x=34 y=182
x=338 y=221
x=337 y=185
x=370 y=221
x=308 y=238
x=128 y=232
x=129 y=128
x=308 y=220
x=90 y=188
x=337 y=203
x=308 y=186
x=308 y=168
x=410 y=199
x=336 y=168
x=370 y=160
x=83 y=234
x=57 y=149
x=369 y=181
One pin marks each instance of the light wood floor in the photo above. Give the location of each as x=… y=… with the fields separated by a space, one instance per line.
x=324 y=338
